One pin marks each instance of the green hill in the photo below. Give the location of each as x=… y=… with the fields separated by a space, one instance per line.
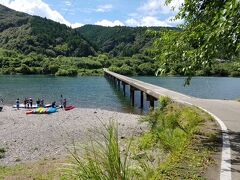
x=119 y=40
x=28 y=34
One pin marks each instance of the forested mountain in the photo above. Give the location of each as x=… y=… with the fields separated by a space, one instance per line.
x=119 y=40
x=28 y=34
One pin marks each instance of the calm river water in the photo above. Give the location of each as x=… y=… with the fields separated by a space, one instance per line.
x=97 y=92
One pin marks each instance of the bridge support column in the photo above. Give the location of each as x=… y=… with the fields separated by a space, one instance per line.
x=124 y=88
x=141 y=99
x=118 y=83
x=151 y=100
x=114 y=81
x=111 y=78
x=132 y=95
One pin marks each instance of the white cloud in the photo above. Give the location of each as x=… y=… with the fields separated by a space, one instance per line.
x=67 y=3
x=153 y=7
x=149 y=14
x=76 y=25
x=36 y=7
x=104 y=8
x=146 y=21
x=132 y=22
x=105 y=22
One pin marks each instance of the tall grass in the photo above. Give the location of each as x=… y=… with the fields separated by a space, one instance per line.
x=172 y=125
x=101 y=159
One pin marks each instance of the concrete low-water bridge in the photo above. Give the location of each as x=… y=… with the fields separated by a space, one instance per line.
x=225 y=112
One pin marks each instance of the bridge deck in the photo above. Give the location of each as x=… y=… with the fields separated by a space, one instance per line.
x=227 y=111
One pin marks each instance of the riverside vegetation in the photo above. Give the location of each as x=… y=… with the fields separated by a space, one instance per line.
x=180 y=143
x=12 y=62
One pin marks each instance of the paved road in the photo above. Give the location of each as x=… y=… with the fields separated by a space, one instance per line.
x=227 y=111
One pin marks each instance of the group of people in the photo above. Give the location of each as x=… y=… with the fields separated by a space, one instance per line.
x=28 y=103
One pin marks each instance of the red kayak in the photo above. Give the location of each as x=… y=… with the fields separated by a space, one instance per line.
x=68 y=108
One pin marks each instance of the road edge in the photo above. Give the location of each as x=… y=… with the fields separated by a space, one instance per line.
x=225 y=171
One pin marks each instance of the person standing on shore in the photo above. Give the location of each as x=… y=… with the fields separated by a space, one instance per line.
x=42 y=102
x=30 y=102
x=53 y=104
x=61 y=101
x=1 y=104
x=64 y=103
x=25 y=102
x=17 y=103
x=38 y=102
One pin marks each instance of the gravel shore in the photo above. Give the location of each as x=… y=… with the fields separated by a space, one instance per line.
x=34 y=137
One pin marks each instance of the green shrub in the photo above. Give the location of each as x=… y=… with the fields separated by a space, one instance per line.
x=61 y=72
x=173 y=124
x=36 y=70
x=68 y=72
x=164 y=101
x=90 y=72
x=124 y=70
x=235 y=74
x=10 y=70
x=24 y=69
x=53 y=69
x=146 y=69
x=89 y=64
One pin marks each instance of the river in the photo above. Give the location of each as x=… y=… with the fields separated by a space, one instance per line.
x=97 y=92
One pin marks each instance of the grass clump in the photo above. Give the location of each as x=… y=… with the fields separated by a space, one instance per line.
x=173 y=125
x=101 y=159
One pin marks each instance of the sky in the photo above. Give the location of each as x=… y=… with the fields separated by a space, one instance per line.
x=76 y=13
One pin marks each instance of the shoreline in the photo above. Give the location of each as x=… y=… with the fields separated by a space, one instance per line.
x=130 y=75
x=125 y=110
x=29 y=138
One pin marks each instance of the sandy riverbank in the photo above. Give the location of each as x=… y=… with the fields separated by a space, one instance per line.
x=34 y=137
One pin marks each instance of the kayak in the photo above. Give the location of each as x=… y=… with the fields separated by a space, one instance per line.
x=33 y=106
x=42 y=111
x=68 y=108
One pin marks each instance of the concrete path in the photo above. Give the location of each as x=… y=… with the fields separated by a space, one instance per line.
x=226 y=111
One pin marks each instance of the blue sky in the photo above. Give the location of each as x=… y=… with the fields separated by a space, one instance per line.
x=76 y=13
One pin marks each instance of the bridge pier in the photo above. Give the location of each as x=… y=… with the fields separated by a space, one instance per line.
x=141 y=99
x=132 y=95
x=124 y=88
x=151 y=99
x=118 y=83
